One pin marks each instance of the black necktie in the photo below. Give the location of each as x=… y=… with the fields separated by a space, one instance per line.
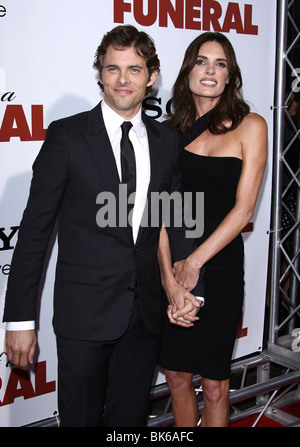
x=128 y=159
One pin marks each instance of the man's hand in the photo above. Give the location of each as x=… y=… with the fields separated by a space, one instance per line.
x=186 y=274
x=181 y=299
x=20 y=347
x=186 y=316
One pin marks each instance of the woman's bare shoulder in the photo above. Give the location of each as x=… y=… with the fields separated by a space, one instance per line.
x=254 y=121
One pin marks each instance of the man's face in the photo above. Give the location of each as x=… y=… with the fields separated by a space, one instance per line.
x=124 y=78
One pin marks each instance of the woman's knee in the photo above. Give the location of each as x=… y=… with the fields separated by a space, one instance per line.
x=178 y=380
x=215 y=391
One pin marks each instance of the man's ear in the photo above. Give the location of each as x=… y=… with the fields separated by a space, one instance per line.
x=152 y=78
x=99 y=78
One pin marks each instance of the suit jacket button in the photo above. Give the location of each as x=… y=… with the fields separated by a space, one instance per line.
x=131 y=289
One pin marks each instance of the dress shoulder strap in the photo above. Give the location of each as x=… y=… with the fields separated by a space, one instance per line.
x=197 y=128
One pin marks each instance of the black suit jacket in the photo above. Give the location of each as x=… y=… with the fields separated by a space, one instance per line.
x=98 y=269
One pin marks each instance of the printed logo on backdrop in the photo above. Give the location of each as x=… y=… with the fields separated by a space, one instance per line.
x=2 y=11
x=205 y=15
x=15 y=122
x=16 y=383
x=7 y=242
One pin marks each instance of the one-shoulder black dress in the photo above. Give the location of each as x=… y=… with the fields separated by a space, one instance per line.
x=207 y=347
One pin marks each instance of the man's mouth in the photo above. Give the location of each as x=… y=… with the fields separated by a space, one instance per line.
x=123 y=91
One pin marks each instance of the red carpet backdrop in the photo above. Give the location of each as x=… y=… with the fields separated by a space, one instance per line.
x=47 y=52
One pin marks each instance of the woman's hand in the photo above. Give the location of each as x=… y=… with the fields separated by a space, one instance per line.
x=186 y=316
x=186 y=273
x=183 y=306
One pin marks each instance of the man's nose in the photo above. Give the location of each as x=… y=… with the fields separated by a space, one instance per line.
x=123 y=77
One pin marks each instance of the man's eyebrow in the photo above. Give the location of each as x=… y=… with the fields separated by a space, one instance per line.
x=117 y=66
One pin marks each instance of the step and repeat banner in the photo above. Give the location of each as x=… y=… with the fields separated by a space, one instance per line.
x=46 y=72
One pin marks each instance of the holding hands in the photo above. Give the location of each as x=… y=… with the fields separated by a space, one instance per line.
x=184 y=306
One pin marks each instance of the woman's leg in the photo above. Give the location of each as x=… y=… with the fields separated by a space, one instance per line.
x=184 y=399
x=216 y=403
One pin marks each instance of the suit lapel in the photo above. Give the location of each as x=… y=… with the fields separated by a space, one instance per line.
x=100 y=147
x=156 y=164
x=156 y=157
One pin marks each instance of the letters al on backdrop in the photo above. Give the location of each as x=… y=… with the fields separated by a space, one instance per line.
x=46 y=73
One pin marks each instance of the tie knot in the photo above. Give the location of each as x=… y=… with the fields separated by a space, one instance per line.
x=126 y=126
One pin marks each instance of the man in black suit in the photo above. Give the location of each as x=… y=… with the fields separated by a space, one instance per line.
x=107 y=303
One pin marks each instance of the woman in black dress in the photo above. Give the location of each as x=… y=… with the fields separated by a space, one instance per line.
x=224 y=152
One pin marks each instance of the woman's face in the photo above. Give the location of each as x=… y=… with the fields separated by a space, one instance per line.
x=210 y=74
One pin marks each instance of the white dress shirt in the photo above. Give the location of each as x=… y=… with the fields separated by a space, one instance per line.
x=138 y=137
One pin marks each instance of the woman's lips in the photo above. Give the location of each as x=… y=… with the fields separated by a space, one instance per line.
x=209 y=82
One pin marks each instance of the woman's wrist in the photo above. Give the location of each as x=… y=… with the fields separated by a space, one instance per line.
x=194 y=262
x=168 y=280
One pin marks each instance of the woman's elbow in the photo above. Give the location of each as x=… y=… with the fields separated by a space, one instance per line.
x=248 y=214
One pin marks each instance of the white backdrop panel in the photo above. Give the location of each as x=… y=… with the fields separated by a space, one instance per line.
x=46 y=61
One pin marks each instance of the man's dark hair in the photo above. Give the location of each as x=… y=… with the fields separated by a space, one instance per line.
x=125 y=36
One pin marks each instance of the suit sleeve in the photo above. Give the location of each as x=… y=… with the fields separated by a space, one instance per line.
x=181 y=245
x=37 y=225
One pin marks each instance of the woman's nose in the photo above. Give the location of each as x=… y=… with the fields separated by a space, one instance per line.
x=210 y=69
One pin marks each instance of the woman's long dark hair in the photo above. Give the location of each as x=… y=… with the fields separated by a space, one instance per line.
x=231 y=105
